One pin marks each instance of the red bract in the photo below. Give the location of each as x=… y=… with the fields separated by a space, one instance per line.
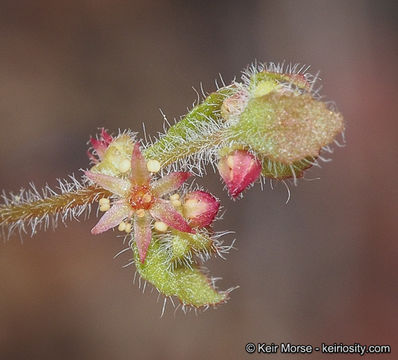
x=200 y=207
x=141 y=200
x=239 y=169
x=99 y=146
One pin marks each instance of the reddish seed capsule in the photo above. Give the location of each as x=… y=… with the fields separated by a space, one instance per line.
x=200 y=207
x=239 y=169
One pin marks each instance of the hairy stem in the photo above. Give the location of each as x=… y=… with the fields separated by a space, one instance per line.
x=25 y=211
x=178 y=142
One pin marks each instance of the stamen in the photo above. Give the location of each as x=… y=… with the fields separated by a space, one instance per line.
x=160 y=226
x=122 y=226
x=104 y=208
x=128 y=228
x=124 y=165
x=104 y=202
x=176 y=203
x=175 y=197
x=153 y=166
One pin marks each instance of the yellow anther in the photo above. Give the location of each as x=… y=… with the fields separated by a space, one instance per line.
x=140 y=213
x=104 y=202
x=105 y=207
x=176 y=203
x=160 y=226
x=122 y=226
x=147 y=198
x=174 y=197
x=153 y=166
x=124 y=165
x=128 y=228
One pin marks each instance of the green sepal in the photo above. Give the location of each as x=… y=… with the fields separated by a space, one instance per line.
x=277 y=170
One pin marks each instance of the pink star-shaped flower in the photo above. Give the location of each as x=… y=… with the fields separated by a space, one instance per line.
x=140 y=200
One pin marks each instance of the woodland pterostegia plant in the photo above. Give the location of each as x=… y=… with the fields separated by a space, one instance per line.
x=272 y=124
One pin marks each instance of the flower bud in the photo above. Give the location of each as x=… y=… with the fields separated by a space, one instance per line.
x=239 y=169
x=200 y=207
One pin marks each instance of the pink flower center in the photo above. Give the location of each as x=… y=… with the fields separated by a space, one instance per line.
x=141 y=197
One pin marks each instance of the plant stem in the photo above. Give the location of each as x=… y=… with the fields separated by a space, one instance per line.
x=25 y=211
x=177 y=143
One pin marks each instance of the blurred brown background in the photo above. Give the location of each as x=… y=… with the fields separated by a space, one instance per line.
x=322 y=268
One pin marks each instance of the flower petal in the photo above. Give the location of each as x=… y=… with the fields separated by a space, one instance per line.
x=113 y=217
x=113 y=184
x=163 y=210
x=142 y=234
x=139 y=172
x=169 y=183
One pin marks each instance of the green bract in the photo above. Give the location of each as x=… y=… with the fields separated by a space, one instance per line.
x=286 y=128
x=187 y=283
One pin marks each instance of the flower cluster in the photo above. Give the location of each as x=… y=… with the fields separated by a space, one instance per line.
x=270 y=125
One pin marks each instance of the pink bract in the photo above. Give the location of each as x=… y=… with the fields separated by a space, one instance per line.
x=200 y=208
x=99 y=146
x=239 y=169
